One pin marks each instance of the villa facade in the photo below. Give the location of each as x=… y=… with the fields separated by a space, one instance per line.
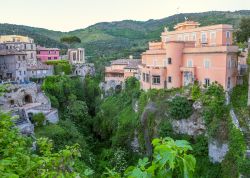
x=190 y=53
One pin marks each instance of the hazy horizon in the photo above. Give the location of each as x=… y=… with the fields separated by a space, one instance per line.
x=68 y=15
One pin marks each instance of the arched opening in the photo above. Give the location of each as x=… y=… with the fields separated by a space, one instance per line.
x=30 y=116
x=118 y=88
x=27 y=99
x=12 y=102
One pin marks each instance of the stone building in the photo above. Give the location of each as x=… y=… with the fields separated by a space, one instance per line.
x=20 y=43
x=39 y=70
x=76 y=56
x=18 y=62
x=13 y=66
x=119 y=71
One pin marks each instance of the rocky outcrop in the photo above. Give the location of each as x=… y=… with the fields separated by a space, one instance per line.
x=135 y=143
x=193 y=126
x=150 y=108
x=110 y=86
x=217 y=151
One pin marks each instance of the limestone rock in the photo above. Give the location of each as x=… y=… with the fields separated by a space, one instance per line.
x=217 y=151
x=193 y=126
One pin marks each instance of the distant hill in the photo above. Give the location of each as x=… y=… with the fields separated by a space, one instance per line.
x=109 y=40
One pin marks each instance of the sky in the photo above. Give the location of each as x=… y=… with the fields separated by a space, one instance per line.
x=66 y=15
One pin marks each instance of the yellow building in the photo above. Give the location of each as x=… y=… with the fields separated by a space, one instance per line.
x=15 y=38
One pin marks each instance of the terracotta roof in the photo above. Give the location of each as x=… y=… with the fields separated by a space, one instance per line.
x=133 y=64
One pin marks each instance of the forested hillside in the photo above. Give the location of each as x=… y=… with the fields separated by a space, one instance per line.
x=109 y=40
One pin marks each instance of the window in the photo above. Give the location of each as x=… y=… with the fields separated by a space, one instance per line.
x=31 y=55
x=24 y=72
x=213 y=38
x=203 y=37
x=180 y=38
x=144 y=77
x=154 y=62
x=44 y=71
x=169 y=79
x=23 y=57
x=55 y=57
x=207 y=82
x=165 y=62
x=189 y=63
x=186 y=37
x=147 y=77
x=156 y=79
x=169 y=60
x=20 y=72
x=228 y=34
x=49 y=58
x=207 y=64
x=230 y=62
x=38 y=72
x=193 y=38
x=228 y=82
x=74 y=56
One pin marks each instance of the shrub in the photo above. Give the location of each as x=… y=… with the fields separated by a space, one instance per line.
x=39 y=119
x=196 y=91
x=180 y=108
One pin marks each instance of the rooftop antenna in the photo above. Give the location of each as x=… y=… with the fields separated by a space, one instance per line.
x=186 y=18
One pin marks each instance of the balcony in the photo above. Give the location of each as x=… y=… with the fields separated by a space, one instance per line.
x=187 y=69
x=211 y=49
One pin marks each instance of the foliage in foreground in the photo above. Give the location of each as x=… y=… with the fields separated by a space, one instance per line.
x=18 y=159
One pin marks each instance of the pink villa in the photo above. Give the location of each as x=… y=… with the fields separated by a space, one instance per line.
x=45 y=54
x=190 y=53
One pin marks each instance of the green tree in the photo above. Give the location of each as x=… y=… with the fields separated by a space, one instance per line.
x=18 y=159
x=243 y=34
x=70 y=39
